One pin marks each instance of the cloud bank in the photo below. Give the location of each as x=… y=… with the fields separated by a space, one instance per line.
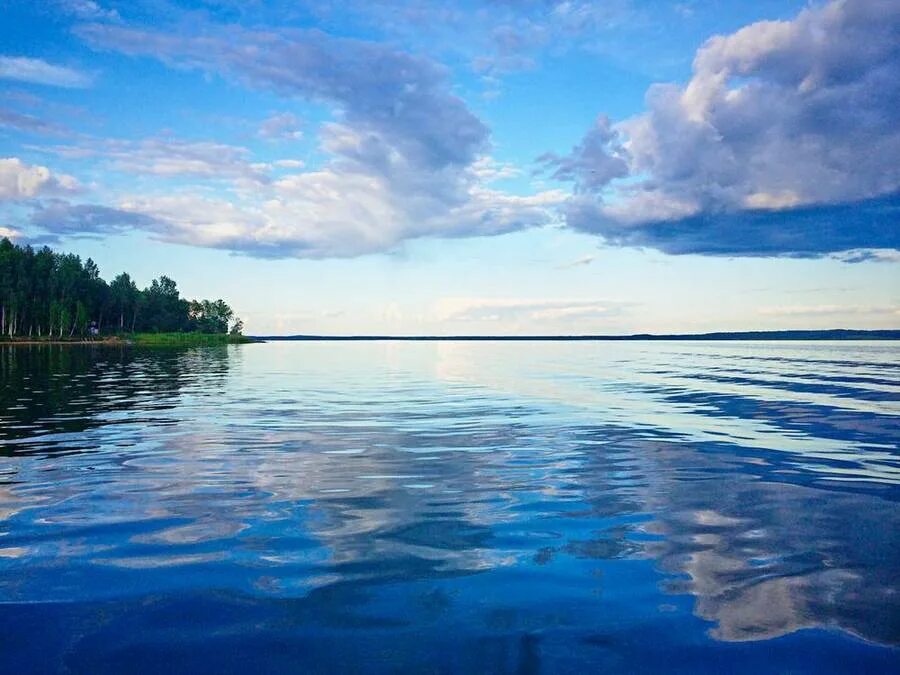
x=405 y=155
x=783 y=143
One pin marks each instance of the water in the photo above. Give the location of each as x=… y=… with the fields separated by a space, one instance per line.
x=451 y=507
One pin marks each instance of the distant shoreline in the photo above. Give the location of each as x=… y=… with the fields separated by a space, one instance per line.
x=832 y=334
x=201 y=339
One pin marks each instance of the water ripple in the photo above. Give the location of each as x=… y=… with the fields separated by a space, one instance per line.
x=530 y=505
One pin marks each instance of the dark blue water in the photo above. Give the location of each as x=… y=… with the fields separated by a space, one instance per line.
x=451 y=508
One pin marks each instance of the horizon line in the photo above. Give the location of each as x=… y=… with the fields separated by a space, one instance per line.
x=785 y=334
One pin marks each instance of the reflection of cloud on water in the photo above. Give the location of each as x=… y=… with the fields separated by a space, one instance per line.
x=337 y=486
x=765 y=559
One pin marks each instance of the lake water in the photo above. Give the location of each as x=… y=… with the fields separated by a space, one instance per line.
x=451 y=507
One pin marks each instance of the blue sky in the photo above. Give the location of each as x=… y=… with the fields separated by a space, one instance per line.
x=536 y=166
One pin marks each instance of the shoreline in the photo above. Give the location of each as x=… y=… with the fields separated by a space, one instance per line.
x=138 y=340
x=214 y=339
x=62 y=341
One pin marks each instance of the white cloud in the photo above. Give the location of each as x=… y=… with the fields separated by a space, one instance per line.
x=37 y=71
x=330 y=213
x=532 y=311
x=19 y=180
x=169 y=157
x=282 y=126
x=405 y=158
x=87 y=10
x=489 y=169
x=780 y=122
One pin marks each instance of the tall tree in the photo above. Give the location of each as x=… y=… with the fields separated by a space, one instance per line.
x=57 y=293
x=124 y=299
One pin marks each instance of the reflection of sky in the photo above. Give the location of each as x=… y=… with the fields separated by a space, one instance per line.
x=669 y=387
x=592 y=482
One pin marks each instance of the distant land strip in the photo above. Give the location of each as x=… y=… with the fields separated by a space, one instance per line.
x=832 y=334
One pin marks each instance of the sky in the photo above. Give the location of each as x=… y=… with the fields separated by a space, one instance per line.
x=456 y=167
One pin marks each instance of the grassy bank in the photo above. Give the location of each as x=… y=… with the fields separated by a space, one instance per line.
x=185 y=339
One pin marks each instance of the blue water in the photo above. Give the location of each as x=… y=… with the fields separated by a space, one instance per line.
x=451 y=508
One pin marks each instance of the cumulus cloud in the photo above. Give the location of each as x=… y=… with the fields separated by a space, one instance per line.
x=406 y=156
x=593 y=163
x=19 y=180
x=784 y=142
x=319 y=214
x=37 y=71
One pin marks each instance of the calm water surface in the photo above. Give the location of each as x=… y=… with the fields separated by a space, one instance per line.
x=451 y=507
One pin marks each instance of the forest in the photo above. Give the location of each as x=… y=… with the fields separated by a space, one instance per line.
x=48 y=294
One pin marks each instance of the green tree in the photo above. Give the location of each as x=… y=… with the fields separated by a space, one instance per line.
x=124 y=296
x=44 y=270
x=43 y=291
x=207 y=316
x=81 y=318
x=65 y=319
x=8 y=255
x=163 y=309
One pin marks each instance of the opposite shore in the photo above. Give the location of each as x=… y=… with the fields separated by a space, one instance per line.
x=189 y=339
x=814 y=334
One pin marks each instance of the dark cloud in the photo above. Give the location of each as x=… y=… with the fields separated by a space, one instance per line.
x=398 y=96
x=592 y=164
x=811 y=231
x=60 y=218
x=784 y=142
x=11 y=119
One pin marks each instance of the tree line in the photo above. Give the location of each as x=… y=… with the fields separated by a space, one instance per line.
x=44 y=293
